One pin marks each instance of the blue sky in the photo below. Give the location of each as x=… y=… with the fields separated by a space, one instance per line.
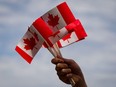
x=96 y=54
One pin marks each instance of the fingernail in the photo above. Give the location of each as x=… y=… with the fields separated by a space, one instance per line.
x=69 y=75
x=63 y=70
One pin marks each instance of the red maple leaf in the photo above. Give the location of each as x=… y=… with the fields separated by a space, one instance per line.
x=53 y=21
x=30 y=43
x=67 y=37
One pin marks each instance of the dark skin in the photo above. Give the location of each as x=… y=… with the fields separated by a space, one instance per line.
x=68 y=69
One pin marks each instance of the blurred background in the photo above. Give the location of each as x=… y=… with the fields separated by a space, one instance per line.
x=96 y=54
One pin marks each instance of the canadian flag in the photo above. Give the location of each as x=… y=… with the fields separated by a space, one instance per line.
x=75 y=33
x=30 y=44
x=36 y=35
x=58 y=17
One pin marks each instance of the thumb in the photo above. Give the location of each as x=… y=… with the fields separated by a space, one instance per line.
x=57 y=60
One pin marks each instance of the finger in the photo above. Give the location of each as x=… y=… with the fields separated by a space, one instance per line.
x=69 y=75
x=66 y=71
x=63 y=72
x=57 y=60
x=60 y=66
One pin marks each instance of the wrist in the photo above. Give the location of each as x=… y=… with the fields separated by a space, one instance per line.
x=80 y=83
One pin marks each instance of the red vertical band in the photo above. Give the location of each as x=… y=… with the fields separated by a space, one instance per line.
x=66 y=13
x=79 y=30
x=24 y=55
x=43 y=29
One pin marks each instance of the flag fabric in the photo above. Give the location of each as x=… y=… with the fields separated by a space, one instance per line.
x=36 y=35
x=75 y=33
x=56 y=26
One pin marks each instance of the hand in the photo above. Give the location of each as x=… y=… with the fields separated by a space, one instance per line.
x=67 y=69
